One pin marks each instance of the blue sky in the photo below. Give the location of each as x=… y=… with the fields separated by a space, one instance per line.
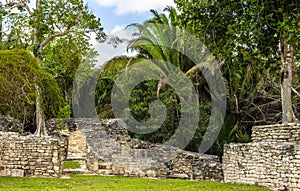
x=120 y=13
x=115 y=15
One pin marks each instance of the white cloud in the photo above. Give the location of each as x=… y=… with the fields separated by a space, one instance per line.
x=117 y=29
x=135 y=6
x=107 y=51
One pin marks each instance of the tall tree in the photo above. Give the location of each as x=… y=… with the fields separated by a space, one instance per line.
x=263 y=32
x=62 y=59
x=37 y=27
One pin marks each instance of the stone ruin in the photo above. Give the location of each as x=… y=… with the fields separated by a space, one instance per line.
x=272 y=160
x=104 y=147
x=9 y=124
x=31 y=155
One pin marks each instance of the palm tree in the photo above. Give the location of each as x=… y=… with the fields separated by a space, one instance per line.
x=163 y=40
x=166 y=42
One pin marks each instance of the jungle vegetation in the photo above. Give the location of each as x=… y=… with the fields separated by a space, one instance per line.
x=255 y=45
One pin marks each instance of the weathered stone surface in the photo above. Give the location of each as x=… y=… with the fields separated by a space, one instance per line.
x=272 y=160
x=60 y=125
x=277 y=133
x=9 y=124
x=103 y=146
x=13 y=172
x=111 y=151
x=77 y=145
x=32 y=156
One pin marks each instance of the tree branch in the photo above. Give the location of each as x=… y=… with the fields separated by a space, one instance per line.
x=12 y=5
x=50 y=38
x=295 y=91
x=63 y=33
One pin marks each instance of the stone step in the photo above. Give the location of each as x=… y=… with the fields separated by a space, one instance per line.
x=76 y=171
x=105 y=172
x=178 y=176
x=73 y=157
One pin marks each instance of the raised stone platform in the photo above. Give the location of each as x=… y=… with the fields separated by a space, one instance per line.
x=277 y=133
x=271 y=160
x=111 y=151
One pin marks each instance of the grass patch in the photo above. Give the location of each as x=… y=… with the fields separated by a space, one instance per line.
x=81 y=182
x=71 y=164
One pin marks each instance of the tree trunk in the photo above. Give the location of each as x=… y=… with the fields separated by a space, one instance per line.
x=40 y=119
x=288 y=115
x=1 y=17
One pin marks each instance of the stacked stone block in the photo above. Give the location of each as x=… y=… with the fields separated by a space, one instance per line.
x=31 y=156
x=271 y=160
x=111 y=151
x=276 y=133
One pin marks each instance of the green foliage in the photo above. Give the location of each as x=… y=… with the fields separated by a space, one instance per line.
x=233 y=27
x=204 y=117
x=50 y=18
x=62 y=58
x=64 y=112
x=246 y=34
x=111 y=71
x=162 y=39
x=140 y=99
x=56 y=32
x=158 y=40
x=19 y=72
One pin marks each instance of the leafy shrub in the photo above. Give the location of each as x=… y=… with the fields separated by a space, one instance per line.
x=64 y=112
x=19 y=74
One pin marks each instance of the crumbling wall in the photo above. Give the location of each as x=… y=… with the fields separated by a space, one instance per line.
x=111 y=151
x=278 y=133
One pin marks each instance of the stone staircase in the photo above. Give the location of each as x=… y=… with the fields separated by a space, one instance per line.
x=110 y=151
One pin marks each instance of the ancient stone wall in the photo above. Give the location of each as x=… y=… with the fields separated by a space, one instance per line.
x=276 y=133
x=31 y=155
x=271 y=160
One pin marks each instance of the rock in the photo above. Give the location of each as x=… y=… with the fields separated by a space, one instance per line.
x=31 y=156
x=181 y=176
x=107 y=142
x=9 y=124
